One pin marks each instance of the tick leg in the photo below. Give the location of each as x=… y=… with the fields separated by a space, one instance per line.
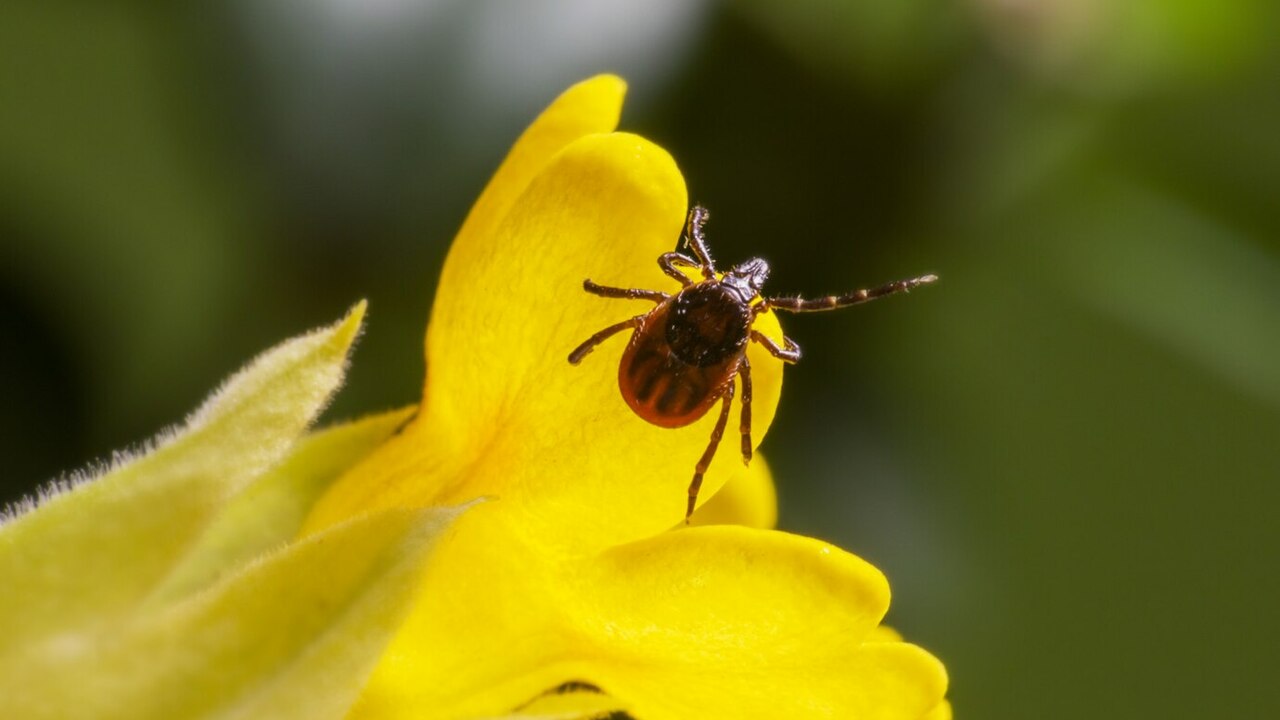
x=788 y=354
x=623 y=293
x=705 y=462
x=857 y=297
x=669 y=261
x=698 y=217
x=585 y=348
x=744 y=372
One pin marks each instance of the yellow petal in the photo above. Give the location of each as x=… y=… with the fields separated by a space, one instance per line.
x=690 y=587
x=884 y=633
x=269 y=512
x=732 y=622
x=507 y=416
x=96 y=550
x=941 y=712
x=292 y=636
x=703 y=622
x=749 y=499
x=487 y=632
x=572 y=703
x=592 y=106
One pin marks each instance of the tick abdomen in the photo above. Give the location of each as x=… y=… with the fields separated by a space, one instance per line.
x=661 y=386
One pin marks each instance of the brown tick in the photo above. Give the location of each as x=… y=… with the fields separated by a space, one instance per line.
x=684 y=353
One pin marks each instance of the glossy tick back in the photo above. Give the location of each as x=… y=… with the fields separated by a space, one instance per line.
x=686 y=351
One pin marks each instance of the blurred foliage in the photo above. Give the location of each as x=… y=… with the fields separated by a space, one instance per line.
x=891 y=45
x=1063 y=455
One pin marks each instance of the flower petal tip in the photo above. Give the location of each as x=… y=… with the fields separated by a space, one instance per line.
x=350 y=325
x=602 y=85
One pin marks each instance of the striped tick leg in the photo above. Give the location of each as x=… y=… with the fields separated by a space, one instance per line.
x=744 y=372
x=669 y=262
x=857 y=297
x=672 y=261
x=698 y=217
x=789 y=354
x=585 y=348
x=623 y=293
x=705 y=462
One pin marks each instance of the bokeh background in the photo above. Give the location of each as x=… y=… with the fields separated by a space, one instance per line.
x=1064 y=455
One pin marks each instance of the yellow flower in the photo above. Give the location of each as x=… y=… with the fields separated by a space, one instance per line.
x=571 y=572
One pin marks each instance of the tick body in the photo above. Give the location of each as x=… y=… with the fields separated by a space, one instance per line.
x=685 y=353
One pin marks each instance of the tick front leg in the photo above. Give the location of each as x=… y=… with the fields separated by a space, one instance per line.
x=857 y=297
x=623 y=293
x=585 y=348
x=670 y=262
x=789 y=354
x=744 y=372
x=705 y=462
x=698 y=217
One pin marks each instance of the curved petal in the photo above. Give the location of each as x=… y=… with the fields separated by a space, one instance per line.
x=941 y=712
x=589 y=107
x=486 y=634
x=95 y=551
x=884 y=633
x=690 y=623
x=268 y=513
x=507 y=416
x=749 y=499
x=290 y=636
x=732 y=622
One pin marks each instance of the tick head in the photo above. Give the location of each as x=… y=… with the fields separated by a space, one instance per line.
x=748 y=278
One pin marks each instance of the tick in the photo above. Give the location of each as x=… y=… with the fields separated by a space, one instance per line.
x=685 y=353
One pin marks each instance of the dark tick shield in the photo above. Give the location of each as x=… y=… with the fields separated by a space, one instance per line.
x=685 y=353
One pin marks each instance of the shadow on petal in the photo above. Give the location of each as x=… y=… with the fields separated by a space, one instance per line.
x=749 y=498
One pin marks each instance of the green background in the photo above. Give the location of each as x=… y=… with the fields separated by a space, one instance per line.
x=1064 y=455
